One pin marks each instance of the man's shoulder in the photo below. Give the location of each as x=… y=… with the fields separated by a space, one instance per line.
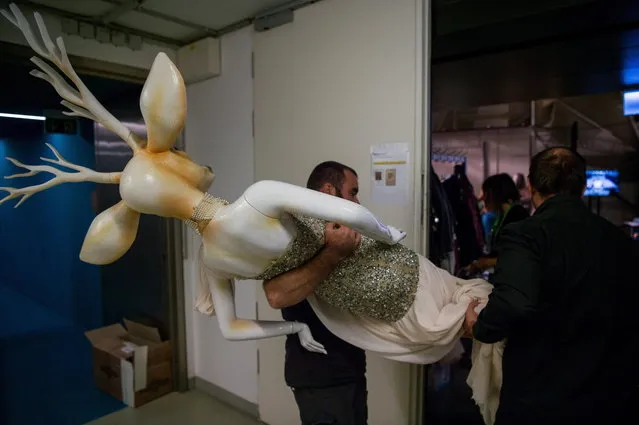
x=528 y=226
x=524 y=235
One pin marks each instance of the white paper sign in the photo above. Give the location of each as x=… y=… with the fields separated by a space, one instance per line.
x=390 y=173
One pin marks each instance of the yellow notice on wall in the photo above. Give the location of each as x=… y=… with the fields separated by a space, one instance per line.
x=390 y=173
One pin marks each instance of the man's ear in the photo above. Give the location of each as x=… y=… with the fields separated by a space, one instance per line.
x=328 y=188
x=530 y=188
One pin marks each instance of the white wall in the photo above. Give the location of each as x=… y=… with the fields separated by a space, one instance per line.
x=219 y=133
x=87 y=48
x=345 y=75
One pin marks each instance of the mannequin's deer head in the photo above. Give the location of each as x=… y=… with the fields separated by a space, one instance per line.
x=158 y=180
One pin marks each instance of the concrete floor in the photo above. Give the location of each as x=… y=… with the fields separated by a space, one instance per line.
x=190 y=408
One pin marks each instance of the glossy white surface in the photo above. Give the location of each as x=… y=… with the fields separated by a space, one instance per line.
x=152 y=186
x=242 y=241
x=163 y=104
x=274 y=198
x=110 y=235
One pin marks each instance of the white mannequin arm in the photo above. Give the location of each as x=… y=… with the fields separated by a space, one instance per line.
x=235 y=329
x=273 y=198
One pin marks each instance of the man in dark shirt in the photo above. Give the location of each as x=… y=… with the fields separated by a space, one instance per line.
x=329 y=388
x=565 y=301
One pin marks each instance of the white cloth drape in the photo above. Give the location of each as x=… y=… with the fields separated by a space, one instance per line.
x=429 y=332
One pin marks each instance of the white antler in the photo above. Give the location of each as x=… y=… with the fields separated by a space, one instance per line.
x=81 y=102
x=83 y=174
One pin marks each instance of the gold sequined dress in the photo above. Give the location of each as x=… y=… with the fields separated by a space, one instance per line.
x=385 y=299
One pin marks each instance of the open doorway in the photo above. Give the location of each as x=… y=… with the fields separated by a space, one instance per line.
x=495 y=106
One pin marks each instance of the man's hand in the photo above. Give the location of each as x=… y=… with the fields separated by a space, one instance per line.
x=340 y=241
x=480 y=265
x=470 y=319
x=295 y=285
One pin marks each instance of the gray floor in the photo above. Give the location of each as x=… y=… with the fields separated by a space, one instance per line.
x=190 y=408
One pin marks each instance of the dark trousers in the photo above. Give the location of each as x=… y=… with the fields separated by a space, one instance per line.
x=336 y=405
x=609 y=409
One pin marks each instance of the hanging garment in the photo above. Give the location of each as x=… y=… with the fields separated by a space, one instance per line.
x=442 y=222
x=468 y=228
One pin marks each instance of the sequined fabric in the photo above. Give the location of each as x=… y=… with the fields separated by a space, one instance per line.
x=204 y=212
x=378 y=280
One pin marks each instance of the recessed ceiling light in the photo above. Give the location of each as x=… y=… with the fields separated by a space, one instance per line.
x=22 y=117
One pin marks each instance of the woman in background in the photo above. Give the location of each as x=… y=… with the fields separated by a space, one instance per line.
x=502 y=198
x=487 y=221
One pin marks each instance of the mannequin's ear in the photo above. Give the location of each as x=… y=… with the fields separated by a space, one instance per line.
x=110 y=235
x=163 y=104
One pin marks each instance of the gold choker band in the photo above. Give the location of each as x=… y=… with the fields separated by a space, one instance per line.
x=205 y=212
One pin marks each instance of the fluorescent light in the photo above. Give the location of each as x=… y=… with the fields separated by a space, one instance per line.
x=22 y=117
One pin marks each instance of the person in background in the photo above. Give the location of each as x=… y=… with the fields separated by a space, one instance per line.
x=501 y=197
x=565 y=300
x=328 y=388
x=488 y=219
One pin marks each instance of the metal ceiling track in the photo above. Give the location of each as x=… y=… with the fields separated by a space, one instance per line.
x=121 y=7
x=137 y=5
x=166 y=41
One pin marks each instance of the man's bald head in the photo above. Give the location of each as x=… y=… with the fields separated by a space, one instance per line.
x=557 y=171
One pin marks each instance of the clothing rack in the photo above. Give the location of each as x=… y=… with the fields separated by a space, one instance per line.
x=453 y=158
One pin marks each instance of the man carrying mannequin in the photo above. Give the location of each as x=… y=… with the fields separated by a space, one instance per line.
x=329 y=388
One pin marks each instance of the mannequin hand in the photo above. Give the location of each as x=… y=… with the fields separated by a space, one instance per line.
x=397 y=235
x=307 y=341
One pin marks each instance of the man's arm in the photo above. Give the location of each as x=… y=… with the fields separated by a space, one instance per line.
x=516 y=282
x=294 y=286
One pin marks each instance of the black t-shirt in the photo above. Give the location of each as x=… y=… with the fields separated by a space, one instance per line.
x=343 y=364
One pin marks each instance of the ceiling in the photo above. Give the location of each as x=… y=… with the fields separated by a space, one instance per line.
x=173 y=22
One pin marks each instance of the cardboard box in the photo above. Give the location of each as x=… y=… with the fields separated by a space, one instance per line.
x=132 y=364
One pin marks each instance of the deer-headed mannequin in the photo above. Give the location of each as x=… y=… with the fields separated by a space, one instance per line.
x=158 y=179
